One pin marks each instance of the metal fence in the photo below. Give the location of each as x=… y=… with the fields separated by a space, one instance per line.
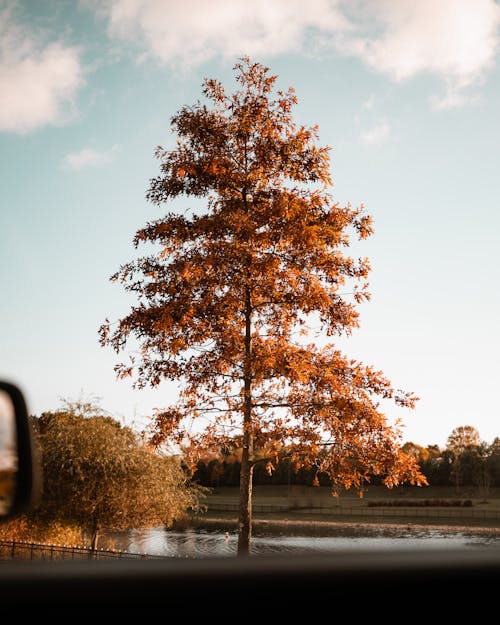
x=377 y=511
x=20 y=550
x=424 y=512
x=234 y=507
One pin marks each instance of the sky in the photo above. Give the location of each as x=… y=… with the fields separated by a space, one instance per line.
x=406 y=94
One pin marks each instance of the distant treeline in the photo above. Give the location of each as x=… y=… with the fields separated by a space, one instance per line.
x=466 y=464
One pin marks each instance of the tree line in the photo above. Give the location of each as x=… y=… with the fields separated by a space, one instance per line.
x=465 y=461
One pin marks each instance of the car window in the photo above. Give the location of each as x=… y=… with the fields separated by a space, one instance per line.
x=248 y=261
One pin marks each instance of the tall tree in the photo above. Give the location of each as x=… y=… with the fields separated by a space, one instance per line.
x=462 y=440
x=228 y=296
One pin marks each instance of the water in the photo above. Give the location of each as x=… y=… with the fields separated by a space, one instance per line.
x=197 y=543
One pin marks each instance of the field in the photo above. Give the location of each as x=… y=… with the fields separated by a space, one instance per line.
x=411 y=506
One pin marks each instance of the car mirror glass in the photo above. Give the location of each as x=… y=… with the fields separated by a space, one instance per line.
x=8 y=453
x=19 y=470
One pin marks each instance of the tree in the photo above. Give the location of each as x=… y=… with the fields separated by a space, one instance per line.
x=421 y=454
x=99 y=474
x=463 y=442
x=493 y=462
x=227 y=297
x=435 y=466
x=462 y=438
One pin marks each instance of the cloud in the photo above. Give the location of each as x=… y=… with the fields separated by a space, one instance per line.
x=88 y=157
x=454 y=96
x=376 y=135
x=455 y=40
x=37 y=82
x=191 y=32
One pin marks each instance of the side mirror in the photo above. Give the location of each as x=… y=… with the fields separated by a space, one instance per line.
x=19 y=470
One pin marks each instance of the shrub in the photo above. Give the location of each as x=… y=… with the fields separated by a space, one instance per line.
x=408 y=503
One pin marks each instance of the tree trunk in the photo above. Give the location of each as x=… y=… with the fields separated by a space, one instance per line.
x=95 y=538
x=245 y=514
x=457 y=474
x=245 y=507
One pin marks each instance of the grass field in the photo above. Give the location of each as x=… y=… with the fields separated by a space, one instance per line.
x=302 y=504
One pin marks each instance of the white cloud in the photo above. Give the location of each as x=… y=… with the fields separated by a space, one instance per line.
x=193 y=31
x=37 y=82
x=88 y=157
x=454 y=96
x=376 y=135
x=455 y=40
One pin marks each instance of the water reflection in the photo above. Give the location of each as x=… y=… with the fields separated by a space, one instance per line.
x=197 y=543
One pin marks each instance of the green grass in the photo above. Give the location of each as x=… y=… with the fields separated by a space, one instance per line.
x=322 y=496
x=315 y=504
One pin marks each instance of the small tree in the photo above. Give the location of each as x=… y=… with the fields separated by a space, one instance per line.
x=226 y=301
x=99 y=474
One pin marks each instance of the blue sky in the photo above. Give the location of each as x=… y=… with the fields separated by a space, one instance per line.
x=406 y=94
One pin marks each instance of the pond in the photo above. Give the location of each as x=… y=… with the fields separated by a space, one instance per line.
x=199 y=543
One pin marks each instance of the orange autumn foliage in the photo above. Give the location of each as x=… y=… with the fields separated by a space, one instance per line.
x=226 y=302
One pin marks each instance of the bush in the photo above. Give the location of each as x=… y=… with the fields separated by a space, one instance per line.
x=408 y=503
